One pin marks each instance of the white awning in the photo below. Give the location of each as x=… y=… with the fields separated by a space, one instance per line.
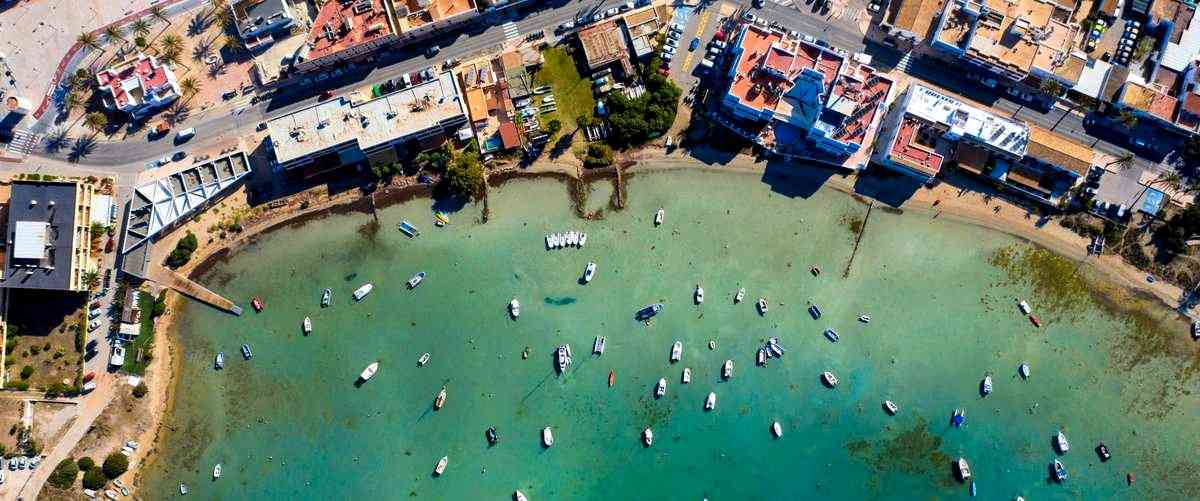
x=30 y=240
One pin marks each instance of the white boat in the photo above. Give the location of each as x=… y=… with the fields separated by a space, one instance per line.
x=864 y=318
x=699 y=294
x=776 y=429
x=514 y=308
x=687 y=375
x=661 y=388
x=741 y=294
x=582 y=239
x=710 y=403
x=547 y=437
x=423 y=360
x=832 y=335
x=519 y=496
x=712 y=344
x=416 y=280
x=326 y=296
x=962 y=469
x=1023 y=370
x=598 y=345
x=890 y=407
x=1025 y=309
x=762 y=306
x=1195 y=329
x=217 y=471
x=441 y=465
x=246 y=353
x=647 y=437
x=369 y=372
x=570 y=238
x=774 y=348
x=658 y=216
x=307 y=325
x=220 y=361
x=727 y=369
x=761 y=357
x=676 y=351
x=562 y=359
x=549 y=241
x=1060 y=471
x=829 y=379
x=182 y=489
x=1060 y=443
x=362 y=292
x=589 y=272
x=440 y=399
x=985 y=387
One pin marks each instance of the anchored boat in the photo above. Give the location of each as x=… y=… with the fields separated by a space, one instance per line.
x=687 y=375
x=547 y=437
x=658 y=216
x=440 y=400
x=441 y=466
x=762 y=306
x=710 y=403
x=890 y=407
x=307 y=326
x=362 y=291
x=829 y=379
x=416 y=280
x=326 y=296
x=776 y=429
x=676 y=351
x=727 y=369
x=408 y=229
x=741 y=294
x=647 y=437
x=962 y=469
x=661 y=388
x=589 y=272
x=514 y=308
x=369 y=372
x=699 y=294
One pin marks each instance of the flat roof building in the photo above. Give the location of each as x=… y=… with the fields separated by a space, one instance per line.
x=257 y=20
x=138 y=85
x=603 y=44
x=48 y=240
x=340 y=132
x=1012 y=39
x=346 y=30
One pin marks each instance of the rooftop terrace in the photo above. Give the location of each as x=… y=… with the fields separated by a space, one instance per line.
x=341 y=25
x=909 y=151
x=963 y=120
x=768 y=64
x=417 y=13
x=1017 y=35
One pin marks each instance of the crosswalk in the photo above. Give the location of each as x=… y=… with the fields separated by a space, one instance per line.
x=23 y=142
x=905 y=62
x=850 y=13
x=511 y=31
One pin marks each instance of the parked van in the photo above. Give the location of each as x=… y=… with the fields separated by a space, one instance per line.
x=185 y=134
x=707 y=64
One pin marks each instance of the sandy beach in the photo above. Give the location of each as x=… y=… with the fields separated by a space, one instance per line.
x=971 y=206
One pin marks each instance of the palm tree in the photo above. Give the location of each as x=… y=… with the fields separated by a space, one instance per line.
x=140 y=27
x=95 y=121
x=222 y=15
x=171 y=41
x=114 y=33
x=88 y=39
x=1123 y=162
x=158 y=13
x=72 y=102
x=1051 y=87
x=172 y=57
x=234 y=43
x=189 y=86
x=1087 y=104
x=91 y=279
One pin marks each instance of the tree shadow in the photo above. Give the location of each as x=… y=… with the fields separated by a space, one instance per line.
x=56 y=140
x=177 y=113
x=563 y=145
x=215 y=70
x=81 y=148
x=202 y=50
x=199 y=23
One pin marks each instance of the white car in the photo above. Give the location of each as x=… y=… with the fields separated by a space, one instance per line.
x=612 y=12
x=598 y=17
x=93 y=325
x=627 y=6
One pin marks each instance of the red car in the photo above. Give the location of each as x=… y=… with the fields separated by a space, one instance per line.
x=325 y=95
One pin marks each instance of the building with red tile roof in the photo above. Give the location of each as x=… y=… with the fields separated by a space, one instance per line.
x=347 y=30
x=138 y=85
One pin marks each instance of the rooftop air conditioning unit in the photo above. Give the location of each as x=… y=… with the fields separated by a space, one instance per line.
x=33 y=203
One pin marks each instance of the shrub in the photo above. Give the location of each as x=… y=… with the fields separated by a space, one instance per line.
x=17 y=385
x=64 y=474
x=115 y=465
x=85 y=463
x=26 y=371
x=94 y=478
x=598 y=155
x=140 y=390
x=160 y=304
x=183 y=251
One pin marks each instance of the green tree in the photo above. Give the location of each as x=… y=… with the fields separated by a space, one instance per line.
x=94 y=479
x=157 y=12
x=189 y=86
x=95 y=121
x=183 y=251
x=1128 y=119
x=171 y=43
x=434 y=160
x=114 y=33
x=140 y=27
x=598 y=155
x=64 y=474
x=465 y=175
x=1124 y=161
x=85 y=463
x=554 y=126
x=140 y=390
x=1051 y=87
x=89 y=40
x=115 y=465
x=91 y=279
x=26 y=372
x=1191 y=154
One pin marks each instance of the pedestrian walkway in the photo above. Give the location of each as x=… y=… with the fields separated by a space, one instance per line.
x=511 y=31
x=784 y=3
x=23 y=143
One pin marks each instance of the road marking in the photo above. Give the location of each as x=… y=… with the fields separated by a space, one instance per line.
x=511 y=31
x=23 y=142
x=687 y=61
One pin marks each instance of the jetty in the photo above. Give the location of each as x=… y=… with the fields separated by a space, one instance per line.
x=858 y=239
x=183 y=285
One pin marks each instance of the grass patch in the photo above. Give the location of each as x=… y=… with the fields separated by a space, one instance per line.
x=145 y=339
x=572 y=92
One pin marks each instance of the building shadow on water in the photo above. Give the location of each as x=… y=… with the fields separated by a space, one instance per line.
x=794 y=179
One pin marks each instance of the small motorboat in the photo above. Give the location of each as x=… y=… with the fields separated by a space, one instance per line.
x=649 y=311
x=416 y=280
x=1023 y=370
x=985 y=386
x=829 y=379
x=972 y=489
x=257 y=303
x=761 y=357
x=661 y=388
x=582 y=239
x=1024 y=307
x=774 y=349
x=1102 y=451
x=727 y=369
x=699 y=294
x=612 y=378
x=547 y=437
x=962 y=469
x=676 y=351
x=658 y=216
x=890 y=407
x=440 y=400
x=514 y=308
x=1130 y=478
x=687 y=375
x=182 y=489
x=369 y=372
x=589 y=272
x=408 y=229
x=492 y=436
x=776 y=429
x=307 y=326
x=246 y=353
x=1060 y=442
x=1060 y=471
x=326 y=297
x=814 y=311
x=219 y=362
x=762 y=306
x=832 y=335
x=1035 y=321
x=958 y=418
x=217 y=471
x=647 y=437
x=741 y=294
x=598 y=345
x=712 y=344
x=440 y=219
x=362 y=291
x=710 y=403
x=519 y=496
x=441 y=466
x=816 y=271
x=562 y=358
x=423 y=360
x=1195 y=329
x=864 y=318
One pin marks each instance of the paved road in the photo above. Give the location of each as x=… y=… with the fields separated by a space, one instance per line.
x=220 y=128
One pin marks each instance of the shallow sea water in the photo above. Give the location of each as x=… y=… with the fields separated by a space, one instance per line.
x=290 y=424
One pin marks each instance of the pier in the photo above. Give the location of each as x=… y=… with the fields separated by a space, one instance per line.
x=187 y=287
x=858 y=240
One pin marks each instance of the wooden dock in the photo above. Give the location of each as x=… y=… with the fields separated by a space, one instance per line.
x=187 y=287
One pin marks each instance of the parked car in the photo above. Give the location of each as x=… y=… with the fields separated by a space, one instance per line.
x=695 y=43
x=749 y=17
x=179 y=155
x=325 y=95
x=672 y=42
x=612 y=12
x=450 y=63
x=93 y=325
x=627 y=6
x=185 y=134
x=676 y=27
x=432 y=51
x=567 y=26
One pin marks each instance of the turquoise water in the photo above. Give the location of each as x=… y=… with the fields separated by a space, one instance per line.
x=290 y=424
